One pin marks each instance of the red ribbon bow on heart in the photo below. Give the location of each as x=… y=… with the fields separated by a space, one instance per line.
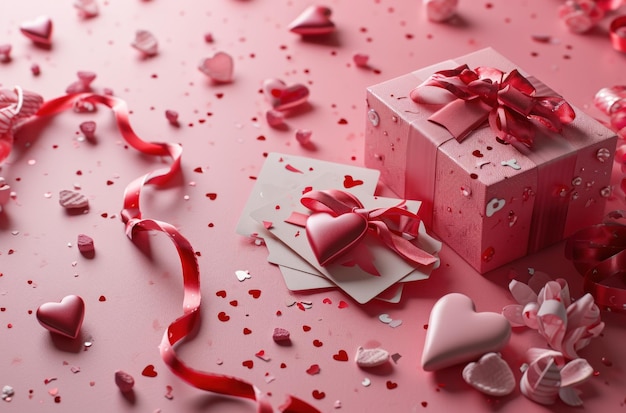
x=340 y=222
x=508 y=101
x=16 y=106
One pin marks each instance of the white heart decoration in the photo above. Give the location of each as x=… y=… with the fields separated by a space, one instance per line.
x=494 y=206
x=490 y=375
x=242 y=275
x=371 y=357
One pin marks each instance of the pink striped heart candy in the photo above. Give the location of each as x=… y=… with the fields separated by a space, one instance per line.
x=490 y=375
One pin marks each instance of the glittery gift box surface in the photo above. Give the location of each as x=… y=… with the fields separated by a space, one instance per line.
x=489 y=201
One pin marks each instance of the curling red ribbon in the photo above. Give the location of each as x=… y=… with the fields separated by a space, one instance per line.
x=599 y=254
x=340 y=221
x=508 y=101
x=617 y=33
x=134 y=224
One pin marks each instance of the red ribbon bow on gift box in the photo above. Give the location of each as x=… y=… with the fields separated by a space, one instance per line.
x=340 y=221
x=508 y=101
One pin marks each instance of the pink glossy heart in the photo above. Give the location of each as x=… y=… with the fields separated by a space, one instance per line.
x=219 y=67
x=330 y=236
x=283 y=97
x=63 y=318
x=314 y=20
x=38 y=30
x=457 y=333
x=490 y=375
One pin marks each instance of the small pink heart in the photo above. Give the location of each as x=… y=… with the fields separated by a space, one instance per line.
x=219 y=67
x=314 y=20
x=38 y=30
x=490 y=375
x=283 y=97
x=457 y=333
x=303 y=136
x=72 y=200
x=360 y=59
x=146 y=43
x=371 y=357
x=63 y=318
x=86 y=8
x=331 y=236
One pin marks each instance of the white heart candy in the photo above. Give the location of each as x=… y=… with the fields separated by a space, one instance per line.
x=384 y=318
x=371 y=357
x=242 y=275
x=490 y=375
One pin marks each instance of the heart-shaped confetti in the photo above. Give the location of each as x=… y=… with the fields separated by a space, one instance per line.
x=360 y=59
x=331 y=236
x=313 y=369
x=219 y=67
x=457 y=333
x=149 y=371
x=64 y=318
x=490 y=375
x=242 y=275
x=248 y=363
x=341 y=355
x=371 y=357
x=274 y=118
x=303 y=136
x=38 y=30
x=283 y=97
x=318 y=395
x=313 y=21
x=146 y=43
x=72 y=200
x=222 y=316
x=350 y=182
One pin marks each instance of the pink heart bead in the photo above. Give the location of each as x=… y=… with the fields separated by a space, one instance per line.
x=38 y=30
x=63 y=318
x=219 y=67
x=314 y=20
x=457 y=333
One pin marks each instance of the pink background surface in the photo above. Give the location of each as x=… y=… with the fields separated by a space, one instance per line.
x=224 y=133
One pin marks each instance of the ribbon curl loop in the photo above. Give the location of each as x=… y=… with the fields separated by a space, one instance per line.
x=340 y=221
x=508 y=101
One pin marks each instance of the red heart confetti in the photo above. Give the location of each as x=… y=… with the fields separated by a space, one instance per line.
x=248 y=363
x=149 y=371
x=342 y=304
x=247 y=331
x=317 y=343
x=313 y=369
x=341 y=356
x=391 y=385
x=261 y=354
x=222 y=316
x=349 y=182
x=306 y=328
x=327 y=301
x=360 y=59
x=221 y=293
x=255 y=293
x=318 y=395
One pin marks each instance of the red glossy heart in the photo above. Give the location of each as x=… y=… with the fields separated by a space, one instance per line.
x=38 y=30
x=314 y=20
x=63 y=318
x=330 y=236
x=283 y=97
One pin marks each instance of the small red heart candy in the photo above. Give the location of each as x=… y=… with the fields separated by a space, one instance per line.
x=63 y=318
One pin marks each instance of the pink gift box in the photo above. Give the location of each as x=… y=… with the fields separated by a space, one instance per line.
x=490 y=201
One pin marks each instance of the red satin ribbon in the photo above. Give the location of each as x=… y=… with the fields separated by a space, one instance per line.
x=134 y=224
x=617 y=33
x=508 y=101
x=599 y=254
x=388 y=224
